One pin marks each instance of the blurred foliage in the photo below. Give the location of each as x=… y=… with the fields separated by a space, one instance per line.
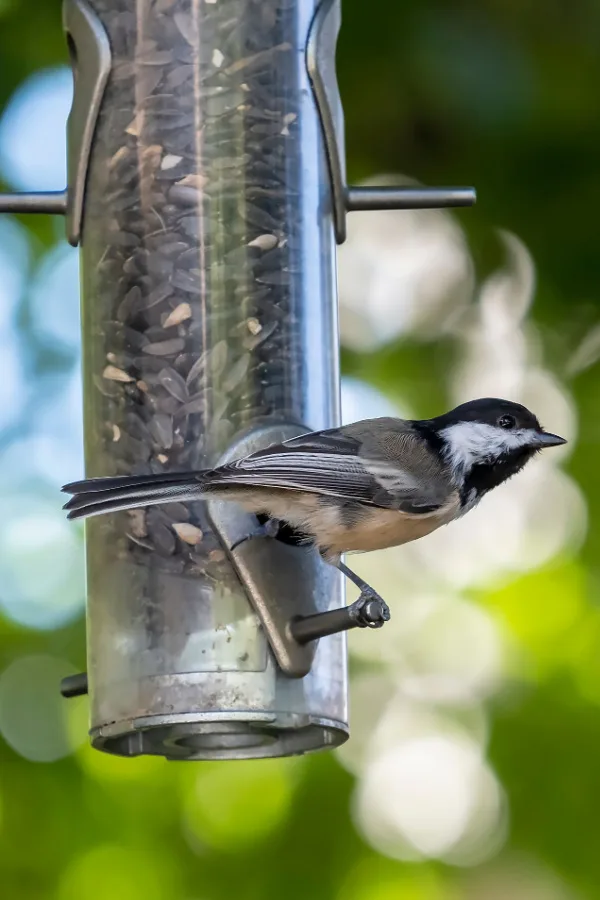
x=501 y=94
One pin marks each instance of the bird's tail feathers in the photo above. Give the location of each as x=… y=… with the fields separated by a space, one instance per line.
x=95 y=496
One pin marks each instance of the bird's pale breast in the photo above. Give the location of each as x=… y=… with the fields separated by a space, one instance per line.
x=382 y=528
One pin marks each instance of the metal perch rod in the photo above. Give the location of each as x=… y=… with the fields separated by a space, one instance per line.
x=370 y=198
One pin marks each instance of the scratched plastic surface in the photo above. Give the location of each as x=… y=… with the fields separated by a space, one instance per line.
x=209 y=305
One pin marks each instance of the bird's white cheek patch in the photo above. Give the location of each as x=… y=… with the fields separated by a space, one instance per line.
x=470 y=443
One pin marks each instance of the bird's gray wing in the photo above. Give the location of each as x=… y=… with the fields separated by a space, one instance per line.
x=379 y=462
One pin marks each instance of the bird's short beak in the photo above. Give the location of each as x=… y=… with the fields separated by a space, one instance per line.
x=545 y=439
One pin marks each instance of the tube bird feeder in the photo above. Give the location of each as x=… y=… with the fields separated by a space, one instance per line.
x=207 y=191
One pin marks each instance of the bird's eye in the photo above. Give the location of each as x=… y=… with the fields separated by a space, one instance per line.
x=507 y=422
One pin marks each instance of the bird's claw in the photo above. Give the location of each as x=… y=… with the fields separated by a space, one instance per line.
x=370 y=610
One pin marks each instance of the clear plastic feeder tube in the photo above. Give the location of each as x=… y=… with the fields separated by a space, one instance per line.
x=209 y=306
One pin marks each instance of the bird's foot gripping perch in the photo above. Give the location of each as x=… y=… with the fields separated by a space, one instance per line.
x=369 y=611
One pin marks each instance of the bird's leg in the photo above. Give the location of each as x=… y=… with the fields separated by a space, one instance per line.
x=266 y=527
x=370 y=610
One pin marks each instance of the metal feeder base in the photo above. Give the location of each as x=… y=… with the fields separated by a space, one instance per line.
x=201 y=737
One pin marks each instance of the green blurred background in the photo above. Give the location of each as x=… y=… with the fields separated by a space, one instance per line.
x=472 y=772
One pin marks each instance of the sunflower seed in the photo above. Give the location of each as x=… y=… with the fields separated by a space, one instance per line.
x=194 y=405
x=165 y=348
x=114 y=374
x=178 y=315
x=174 y=384
x=236 y=373
x=187 y=532
x=264 y=242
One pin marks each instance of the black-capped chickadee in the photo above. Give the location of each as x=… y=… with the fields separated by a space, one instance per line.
x=374 y=484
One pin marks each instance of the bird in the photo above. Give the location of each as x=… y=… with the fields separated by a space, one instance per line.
x=370 y=485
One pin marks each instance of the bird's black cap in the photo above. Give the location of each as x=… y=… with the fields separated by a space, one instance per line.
x=489 y=410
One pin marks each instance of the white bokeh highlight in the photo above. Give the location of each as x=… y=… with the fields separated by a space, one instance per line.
x=42 y=563
x=401 y=273
x=358 y=397
x=431 y=795
x=54 y=300
x=33 y=143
